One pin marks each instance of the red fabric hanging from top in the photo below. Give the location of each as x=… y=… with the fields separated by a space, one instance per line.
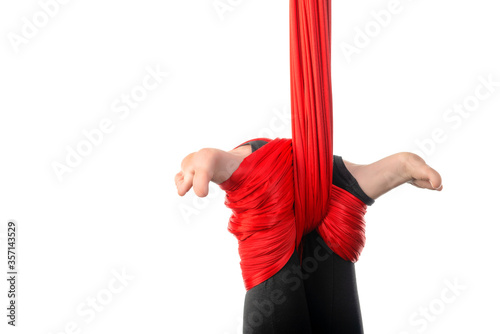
x=284 y=190
x=312 y=124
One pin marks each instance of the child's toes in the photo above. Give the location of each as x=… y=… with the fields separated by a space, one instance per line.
x=200 y=183
x=435 y=181
x=185 y=184
x=424 y=184
x=423 y=175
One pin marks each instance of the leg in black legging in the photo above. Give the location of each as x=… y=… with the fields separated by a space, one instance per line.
x=330 y=286
x=278 y=305
x=331 y=290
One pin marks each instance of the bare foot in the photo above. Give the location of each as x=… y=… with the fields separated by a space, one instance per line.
x=208 y=164
x=386 y=174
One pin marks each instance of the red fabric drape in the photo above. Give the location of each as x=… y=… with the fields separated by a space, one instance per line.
x=312 y=124
x=284 y=190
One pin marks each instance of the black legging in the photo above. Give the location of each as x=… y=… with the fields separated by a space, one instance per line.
x=319 y=296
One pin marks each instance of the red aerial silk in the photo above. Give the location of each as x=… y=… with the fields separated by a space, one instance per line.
x=284 y=190
x=312 y=120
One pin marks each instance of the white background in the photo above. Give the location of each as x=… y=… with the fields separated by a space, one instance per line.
x=228 y=77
